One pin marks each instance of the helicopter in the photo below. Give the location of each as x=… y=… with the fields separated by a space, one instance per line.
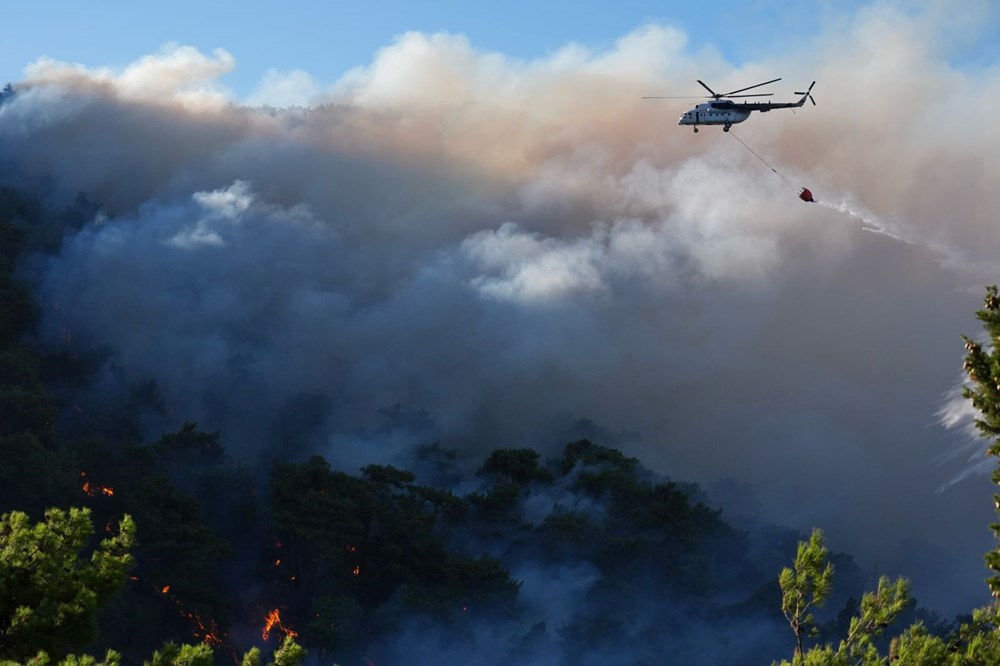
x=725 y=112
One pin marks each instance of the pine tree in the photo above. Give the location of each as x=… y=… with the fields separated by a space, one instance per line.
x=49 y=592
x=983 y=369
x=804 y=585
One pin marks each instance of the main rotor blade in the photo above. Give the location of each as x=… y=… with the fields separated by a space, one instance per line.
x=676 y=97
x=714 y=94
x=751 y=95
x=729 y=94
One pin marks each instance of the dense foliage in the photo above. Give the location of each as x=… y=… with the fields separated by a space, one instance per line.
x=48 y=596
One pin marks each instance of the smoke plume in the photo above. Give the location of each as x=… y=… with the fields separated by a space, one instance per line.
x=511 y=246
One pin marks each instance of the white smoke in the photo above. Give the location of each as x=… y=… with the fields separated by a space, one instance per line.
x=957 y=414
x=512 y=245
x=177 y=73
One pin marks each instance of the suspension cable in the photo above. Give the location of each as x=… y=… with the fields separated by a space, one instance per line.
x=793 y=185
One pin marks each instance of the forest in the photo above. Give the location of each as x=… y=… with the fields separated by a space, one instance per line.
x=173 y=550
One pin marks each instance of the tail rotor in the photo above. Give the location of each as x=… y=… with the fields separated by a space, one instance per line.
x=808 y=93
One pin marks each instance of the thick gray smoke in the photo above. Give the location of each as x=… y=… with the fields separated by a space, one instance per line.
x=512 y=246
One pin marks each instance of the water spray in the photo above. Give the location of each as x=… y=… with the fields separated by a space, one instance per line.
x=869 y=221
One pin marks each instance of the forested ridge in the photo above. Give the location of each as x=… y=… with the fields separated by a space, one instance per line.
x=582 y=557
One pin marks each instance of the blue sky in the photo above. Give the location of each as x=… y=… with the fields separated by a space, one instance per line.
x=328 y=38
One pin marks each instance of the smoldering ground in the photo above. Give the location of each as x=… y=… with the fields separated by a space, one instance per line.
x=512 y=245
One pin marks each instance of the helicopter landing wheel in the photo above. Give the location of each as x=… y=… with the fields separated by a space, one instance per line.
x=695 y=130
x=726 y=128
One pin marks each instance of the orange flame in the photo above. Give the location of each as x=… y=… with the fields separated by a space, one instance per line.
x=91 y=490
x=357 y=571
x=273 y=620
x=277 y=563
x=210 y=634
x=207 y=632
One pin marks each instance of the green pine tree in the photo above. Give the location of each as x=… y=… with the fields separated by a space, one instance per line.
x=49 y=593
x=983 y=369
x=805 y=585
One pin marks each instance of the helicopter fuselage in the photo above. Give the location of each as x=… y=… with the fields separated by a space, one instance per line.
x=722 y=112
x=727 y=113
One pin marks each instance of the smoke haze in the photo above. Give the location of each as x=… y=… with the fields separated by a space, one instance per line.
x=515 y=245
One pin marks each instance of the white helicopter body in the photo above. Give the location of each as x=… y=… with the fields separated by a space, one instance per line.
x=726 y=112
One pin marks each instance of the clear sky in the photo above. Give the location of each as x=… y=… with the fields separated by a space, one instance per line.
x=328 y=38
